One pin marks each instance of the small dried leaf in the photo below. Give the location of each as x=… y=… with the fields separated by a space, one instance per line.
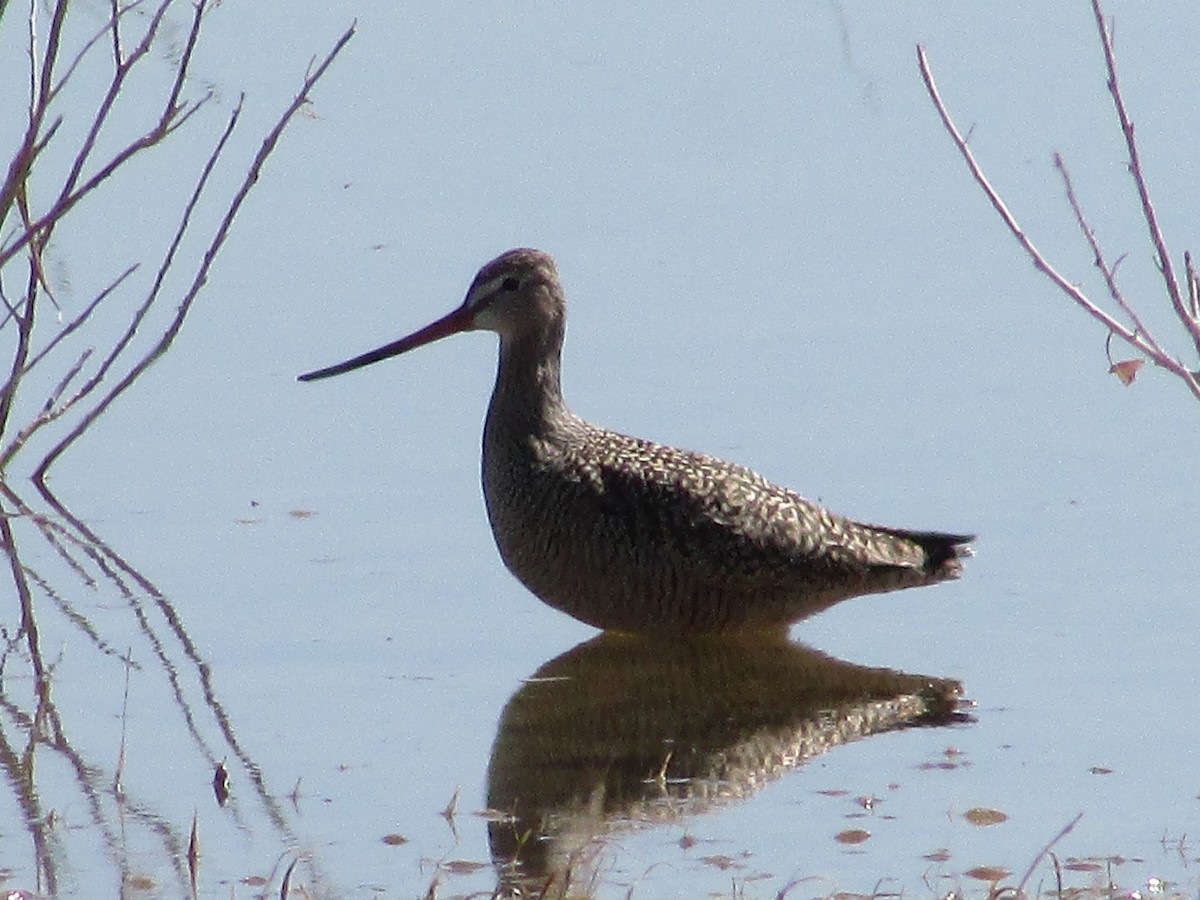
x=394 y=840
x=687 y=842
x=452 y=807
x=720 y=861
x=852 y=836
x=220 y=784
x=462 y=866
x=940 y=855
x=987 y=873
x=981 y=815
x=193 y=852
x=1126 y=370
x=286 y=885
x=1100 y=770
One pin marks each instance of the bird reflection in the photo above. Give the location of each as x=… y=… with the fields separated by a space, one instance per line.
x=625 y=731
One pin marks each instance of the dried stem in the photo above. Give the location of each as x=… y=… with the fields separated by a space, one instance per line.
x=1109 y=272
x=83 y=177
x=1193 y=285
x=131 y=330
x=1190 y=322
x=1136 y=336
x=80 y=319
x=201 y=276
x=1067 y=829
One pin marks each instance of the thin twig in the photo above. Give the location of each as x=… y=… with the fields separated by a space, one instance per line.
x=83 y=316
x=185 y=60
x=1109 y=272
x=1193 y=284
x=39 y=78
x=201 y=277
x=1037 y=859
x=131 y=330
x=23 y=314
x=285 y=884
x=71 y=194
x=193 y=852
x=1073 y=291
x=115 y=29
x=87 y=47
x=61 y=387
x=119 y=771
x=35 y=248
x=1190 y=322
x=121 y=70
x=8 y=391
x=50 y=57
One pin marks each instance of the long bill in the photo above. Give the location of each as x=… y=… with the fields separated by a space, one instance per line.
x=461 y=319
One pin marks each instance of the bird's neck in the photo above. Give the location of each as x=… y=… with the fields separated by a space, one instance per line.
x=528 y=394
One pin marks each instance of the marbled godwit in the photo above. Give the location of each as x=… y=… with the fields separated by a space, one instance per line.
x=626 y=534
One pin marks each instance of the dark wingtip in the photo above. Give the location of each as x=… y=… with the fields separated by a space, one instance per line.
x=945 y=552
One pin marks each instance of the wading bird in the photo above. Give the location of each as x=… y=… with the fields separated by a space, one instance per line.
x=630 y=535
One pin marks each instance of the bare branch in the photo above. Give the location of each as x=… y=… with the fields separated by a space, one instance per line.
x=131 y=329
x=46 y=75
x=79 y=319
x=69 y=195
x=23 y=315
x=1067 y=829
x=66 y=380
x=1193 y=285
x=40 y=73
x=186 y=60
x=49 y=411
x=1109 y=272
x=83 y=178
x=95 y=39
x=201 y=277
x=67 y=202
x=115 y=28
x=35 y=248
x=1189 y=320
x=1133 y=338
x=121 y=70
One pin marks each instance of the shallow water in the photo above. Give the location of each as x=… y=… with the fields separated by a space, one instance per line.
x=773 y=255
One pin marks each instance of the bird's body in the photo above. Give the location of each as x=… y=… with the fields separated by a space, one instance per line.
x=626 y=534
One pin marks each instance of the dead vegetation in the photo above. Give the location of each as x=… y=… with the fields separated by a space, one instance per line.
x=1121 y=318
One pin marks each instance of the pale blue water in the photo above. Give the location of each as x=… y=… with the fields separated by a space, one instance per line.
x=772 y=254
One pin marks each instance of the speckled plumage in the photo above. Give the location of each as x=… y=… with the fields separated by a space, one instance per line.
x=627 y=534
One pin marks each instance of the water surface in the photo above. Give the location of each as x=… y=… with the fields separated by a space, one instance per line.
x=772 y=254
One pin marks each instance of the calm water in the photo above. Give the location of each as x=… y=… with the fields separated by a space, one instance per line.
x=773 y=255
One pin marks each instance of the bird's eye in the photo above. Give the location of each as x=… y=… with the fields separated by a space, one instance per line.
x=510 y=284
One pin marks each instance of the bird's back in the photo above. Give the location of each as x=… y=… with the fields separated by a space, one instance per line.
x=627 y=534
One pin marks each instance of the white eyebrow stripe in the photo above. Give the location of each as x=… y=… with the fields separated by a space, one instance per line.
x=486 y=288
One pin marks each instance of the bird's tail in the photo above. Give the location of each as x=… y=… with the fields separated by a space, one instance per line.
x=944 y=552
